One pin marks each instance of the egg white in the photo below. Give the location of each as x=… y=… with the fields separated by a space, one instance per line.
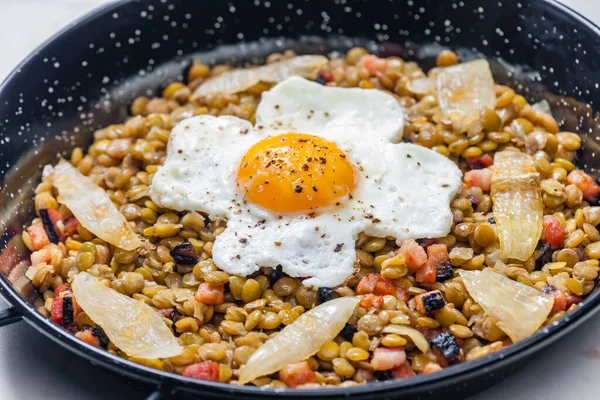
x=402 y=191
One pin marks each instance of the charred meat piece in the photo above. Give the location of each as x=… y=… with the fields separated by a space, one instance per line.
x=99 y=333
x=543 y=255
x=446 y=343
x=184 y=253
x=68 y=310
x=444 y=271
x=348 y=332
x=430 y=301
x=49 y=227
x=326 y=294
x=276 y=274
x=383 y=375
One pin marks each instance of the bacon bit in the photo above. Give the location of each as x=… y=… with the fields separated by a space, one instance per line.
x=184 y=253
x=552 y=232
x=430 y=333
x=403 y=371
x=586 y=183
x=57 y=310
x=385 y=287
x=373 y=64
x=367 y=284
x=481 y=178
x=70 y=227
x=414 y=255
x=88 y=337
x=210 y=294
x=427 y=273
x=326 y=75
x=480 y=162
x=372 y=301
x=438 y=253
x=402 y=293
x=385 y=358
x=205 y=370
x=430 y=368
x=562 y=300
x=38 y=235
x=297 y=374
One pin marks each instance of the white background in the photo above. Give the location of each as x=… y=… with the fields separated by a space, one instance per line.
x=32 y=367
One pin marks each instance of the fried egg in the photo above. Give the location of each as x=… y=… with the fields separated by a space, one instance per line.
x=320 y=166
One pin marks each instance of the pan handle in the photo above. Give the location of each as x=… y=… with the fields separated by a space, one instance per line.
x=9 y=316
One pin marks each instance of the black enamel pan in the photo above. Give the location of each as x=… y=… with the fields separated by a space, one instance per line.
x=86 y=76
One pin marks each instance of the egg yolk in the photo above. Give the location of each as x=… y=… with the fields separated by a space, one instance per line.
x=295 y=173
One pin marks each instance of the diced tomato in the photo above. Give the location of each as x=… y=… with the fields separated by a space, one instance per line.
x=373 y=64
x=70 y=227
x=208 y=293
x=297 y=374
x=205 y=370
x=481 y=178
x=38 y=235
x=385 y=358
x=586 y=183
x=480 y=162
x=552 y=232
x=414 y=255
x=403 y=371
x=430 y=368
x=367 y=284
x=427 y=273
x=88 y=337
x=372 y=301
x=385 y=287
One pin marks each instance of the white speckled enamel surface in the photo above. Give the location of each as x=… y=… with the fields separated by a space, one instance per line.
x=33 y=367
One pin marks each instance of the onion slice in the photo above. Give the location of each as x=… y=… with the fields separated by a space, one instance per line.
x=466 y=88
x=517 y=204
x=241 y=79
x=517 y=309
x=93 y=208
x=132 y=325
x=301 y=339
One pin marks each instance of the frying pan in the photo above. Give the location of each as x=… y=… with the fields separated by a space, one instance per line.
x=86 y=76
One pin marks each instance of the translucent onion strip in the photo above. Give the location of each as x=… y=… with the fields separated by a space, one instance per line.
x=93 y=208
x=301 y=339
x=517 y=204
x=241 y=79
x=132 y=325
x=517 y=309
x=466 y=88
x=414 y=335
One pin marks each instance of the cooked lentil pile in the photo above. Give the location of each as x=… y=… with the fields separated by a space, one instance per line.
x=225 y=318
